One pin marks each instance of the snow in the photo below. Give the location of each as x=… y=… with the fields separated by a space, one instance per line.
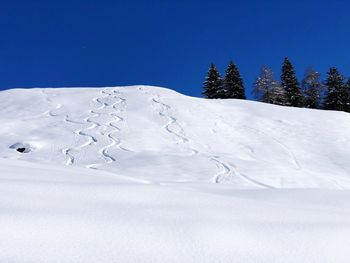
x=145 y=174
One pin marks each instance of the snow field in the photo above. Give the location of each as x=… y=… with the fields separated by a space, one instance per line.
x=145 y=174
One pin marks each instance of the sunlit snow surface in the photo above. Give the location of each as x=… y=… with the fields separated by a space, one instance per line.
x=144 y=174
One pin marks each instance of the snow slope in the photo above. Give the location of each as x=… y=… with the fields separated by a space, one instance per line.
x=145 y=174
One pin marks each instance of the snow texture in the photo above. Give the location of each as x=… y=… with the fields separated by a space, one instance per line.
x=145 y=174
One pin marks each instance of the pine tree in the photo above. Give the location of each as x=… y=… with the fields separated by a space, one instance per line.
x=233 y=83
x=312 y=89
x=213 y=84
x=290 y=84
x=267 y=89
x=347 y=85
x=337 y=97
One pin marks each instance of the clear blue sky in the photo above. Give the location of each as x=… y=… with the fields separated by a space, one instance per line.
x=48 y=43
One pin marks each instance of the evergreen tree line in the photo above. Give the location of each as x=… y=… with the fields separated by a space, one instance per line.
x=331 y=94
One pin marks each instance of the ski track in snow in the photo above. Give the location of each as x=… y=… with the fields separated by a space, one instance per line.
x=226 y=171
x=180 y=135
x=81 y=132
x=91 y=140
x=294 y=159
x=114 y=141
x=171 y=120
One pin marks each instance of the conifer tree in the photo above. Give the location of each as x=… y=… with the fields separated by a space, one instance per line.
x=347 y=85
x=337 y=97
x=267 y=89
x=233 y=83
x=312 y=89
x=290 y=84
x=213 y=84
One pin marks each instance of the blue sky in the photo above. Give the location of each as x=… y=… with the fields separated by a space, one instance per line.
x=165 y=43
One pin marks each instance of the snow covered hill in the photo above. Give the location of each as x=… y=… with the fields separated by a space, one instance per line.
x=159 y=135
x=145 y=174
